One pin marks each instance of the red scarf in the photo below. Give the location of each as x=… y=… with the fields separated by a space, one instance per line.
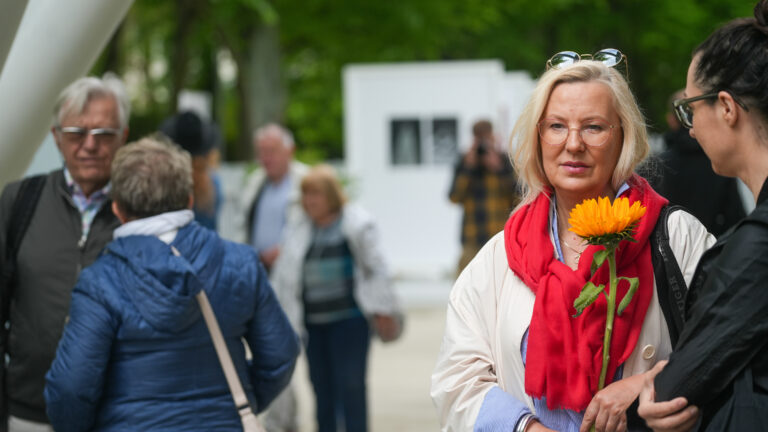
x=564 y=354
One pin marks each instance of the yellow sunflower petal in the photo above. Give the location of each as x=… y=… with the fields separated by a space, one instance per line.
x=593 y=218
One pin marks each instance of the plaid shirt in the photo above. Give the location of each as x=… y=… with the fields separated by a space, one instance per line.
x=88 y=206
x=487 y=198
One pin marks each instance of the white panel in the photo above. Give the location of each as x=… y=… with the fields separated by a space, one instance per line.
x=420 y=225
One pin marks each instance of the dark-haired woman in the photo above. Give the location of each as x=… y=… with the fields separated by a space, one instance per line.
x=720 y=363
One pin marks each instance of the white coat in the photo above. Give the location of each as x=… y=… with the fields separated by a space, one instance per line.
x=373 y=290
x=490 y=309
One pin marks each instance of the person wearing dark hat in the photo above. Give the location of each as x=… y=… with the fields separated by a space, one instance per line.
x=201 y=139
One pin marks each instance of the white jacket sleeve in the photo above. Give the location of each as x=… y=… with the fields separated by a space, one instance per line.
x=467 y=368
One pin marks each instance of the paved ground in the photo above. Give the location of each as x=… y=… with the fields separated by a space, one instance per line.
x=399 y=372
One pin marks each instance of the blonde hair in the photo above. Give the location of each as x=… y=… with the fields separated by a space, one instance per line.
x=525 y=135
x=323 y=178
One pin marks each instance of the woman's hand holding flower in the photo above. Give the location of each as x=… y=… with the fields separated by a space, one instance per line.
x=608 y=409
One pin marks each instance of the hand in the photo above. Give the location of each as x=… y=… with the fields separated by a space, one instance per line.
x=387 y=327
x=470 y=157
x=493 y=160
x=608 y=408
x=670 y=416
x=269 y=256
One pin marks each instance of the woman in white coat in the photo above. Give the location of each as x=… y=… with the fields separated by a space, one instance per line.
x=333 y=282
x=513 y=358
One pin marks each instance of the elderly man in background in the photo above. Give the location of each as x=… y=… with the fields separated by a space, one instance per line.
x=272 y=193
x=67 y=228
x=272 y=197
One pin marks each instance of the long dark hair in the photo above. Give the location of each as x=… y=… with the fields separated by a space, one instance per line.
x=735 y=59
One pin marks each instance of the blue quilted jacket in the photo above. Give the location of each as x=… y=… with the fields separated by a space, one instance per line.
x=136 y=353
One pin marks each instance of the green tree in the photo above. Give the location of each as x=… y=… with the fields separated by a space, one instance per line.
x=289 y=54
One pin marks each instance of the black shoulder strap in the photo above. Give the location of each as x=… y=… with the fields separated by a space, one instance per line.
x=21 y=214
x=670 y=283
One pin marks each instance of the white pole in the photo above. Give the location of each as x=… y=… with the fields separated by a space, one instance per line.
x=13 y=10
x=57 y=42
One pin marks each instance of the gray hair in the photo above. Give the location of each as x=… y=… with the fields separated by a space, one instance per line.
x=74 y=98
x=151 y=176
x=274 y=129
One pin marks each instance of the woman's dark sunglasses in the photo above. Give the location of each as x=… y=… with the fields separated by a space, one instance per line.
x=610 y=57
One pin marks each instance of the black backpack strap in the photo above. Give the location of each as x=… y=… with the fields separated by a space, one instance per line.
x=670 y=283
x=21 y=214
x=671 y=289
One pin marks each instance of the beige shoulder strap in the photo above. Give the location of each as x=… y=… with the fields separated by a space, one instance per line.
x=248 y=418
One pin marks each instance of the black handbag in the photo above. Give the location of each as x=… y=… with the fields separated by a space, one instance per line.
x=744 y=411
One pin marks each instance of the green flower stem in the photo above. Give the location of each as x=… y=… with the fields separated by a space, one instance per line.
x=609 y=319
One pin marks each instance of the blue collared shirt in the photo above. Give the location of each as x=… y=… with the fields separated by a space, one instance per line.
x=88 y=206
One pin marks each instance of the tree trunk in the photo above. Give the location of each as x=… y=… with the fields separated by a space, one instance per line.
x=243 y=151
x=267 y=92
x=185 y=12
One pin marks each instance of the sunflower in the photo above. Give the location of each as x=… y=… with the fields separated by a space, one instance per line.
x=599 y=222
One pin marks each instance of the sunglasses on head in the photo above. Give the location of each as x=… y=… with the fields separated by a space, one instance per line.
x=610 y=57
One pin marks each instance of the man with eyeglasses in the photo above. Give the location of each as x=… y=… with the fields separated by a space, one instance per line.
x=68 y=226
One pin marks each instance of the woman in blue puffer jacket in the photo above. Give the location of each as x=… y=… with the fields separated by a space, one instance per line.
x=136 y=353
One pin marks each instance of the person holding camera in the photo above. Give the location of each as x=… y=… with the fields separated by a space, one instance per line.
x=484 y=184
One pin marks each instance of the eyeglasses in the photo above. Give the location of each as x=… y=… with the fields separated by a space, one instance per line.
x=594 y=134
x=684 y=111
x=76 y=134
x=610 y=57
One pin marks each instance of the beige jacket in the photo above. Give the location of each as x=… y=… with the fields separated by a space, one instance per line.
x=490 y=309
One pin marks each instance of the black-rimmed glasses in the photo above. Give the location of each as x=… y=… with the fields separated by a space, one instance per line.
x=684 y=111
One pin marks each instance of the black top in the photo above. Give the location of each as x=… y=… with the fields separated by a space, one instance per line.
x=726 y=327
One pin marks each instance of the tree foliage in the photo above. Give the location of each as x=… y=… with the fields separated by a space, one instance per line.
x=163 y=47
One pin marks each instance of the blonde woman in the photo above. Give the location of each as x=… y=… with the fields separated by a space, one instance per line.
x=513 y=358
x=333 y=281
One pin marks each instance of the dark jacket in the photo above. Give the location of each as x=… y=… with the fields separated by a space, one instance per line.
x=726 y=327
x=687 y=179
x=136 y=353
x=49 y=261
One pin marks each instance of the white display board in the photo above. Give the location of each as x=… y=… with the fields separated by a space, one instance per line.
x=405 y=125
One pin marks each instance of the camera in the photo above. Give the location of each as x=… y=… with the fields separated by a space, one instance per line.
x=482 y=148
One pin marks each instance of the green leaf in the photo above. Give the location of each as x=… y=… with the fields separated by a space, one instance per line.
x=633 y=283
x=588 y=296
x=598 y=259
